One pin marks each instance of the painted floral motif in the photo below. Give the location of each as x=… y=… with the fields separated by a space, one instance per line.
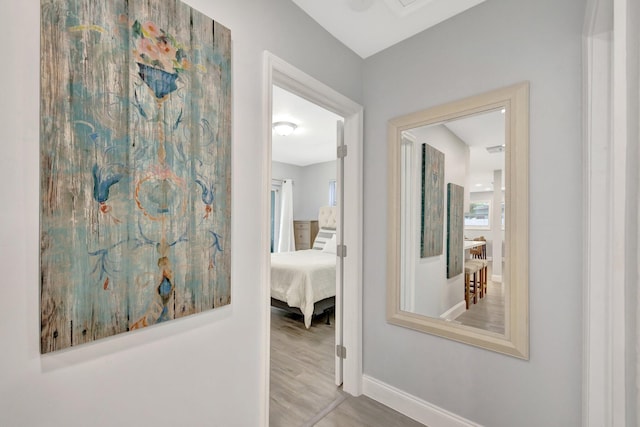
x=135 y=208
x=156 y=48
x=159 y=57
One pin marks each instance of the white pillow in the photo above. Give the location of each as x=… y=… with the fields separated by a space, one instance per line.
x=330 y=246
x=323 y=236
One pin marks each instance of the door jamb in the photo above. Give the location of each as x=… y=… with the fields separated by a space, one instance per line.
x=276 y=71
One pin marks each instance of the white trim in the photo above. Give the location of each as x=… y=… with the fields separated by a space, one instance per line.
x=277 y=71
x=454 y=311
x=515 y=340
x=411 y=406
x=496 y=278
x=605 y=207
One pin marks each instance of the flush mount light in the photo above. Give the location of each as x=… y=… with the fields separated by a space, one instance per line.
x=284 y=128
x=496 y=149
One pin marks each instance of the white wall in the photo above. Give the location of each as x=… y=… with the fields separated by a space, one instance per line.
x=434 y=293
x=632 y=320
x=496 y=43
x=197 y=371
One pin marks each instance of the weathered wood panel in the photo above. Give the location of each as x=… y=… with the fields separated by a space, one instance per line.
x=455 y=229
x=432 y=202
x=136 y=166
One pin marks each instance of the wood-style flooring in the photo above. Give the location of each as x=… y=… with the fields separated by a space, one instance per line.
x=303 y=392
x=488 y=313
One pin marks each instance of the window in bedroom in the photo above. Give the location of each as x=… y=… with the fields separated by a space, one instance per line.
x=332 y=193
x=274 y=224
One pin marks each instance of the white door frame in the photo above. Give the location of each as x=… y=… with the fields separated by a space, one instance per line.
x=284 y=75
x=607 y=195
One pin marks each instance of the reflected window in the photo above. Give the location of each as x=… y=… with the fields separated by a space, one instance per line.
x=478 y=216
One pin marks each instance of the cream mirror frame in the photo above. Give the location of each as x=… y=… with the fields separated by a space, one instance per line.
x=515 y=102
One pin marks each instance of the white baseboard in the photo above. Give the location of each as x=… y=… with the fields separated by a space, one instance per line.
x=454 y=311
x=411 y=406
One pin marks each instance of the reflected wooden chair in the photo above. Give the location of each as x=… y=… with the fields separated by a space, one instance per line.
x=481 y=264
x=479 y=252
x=472 y=283
x=479 y=256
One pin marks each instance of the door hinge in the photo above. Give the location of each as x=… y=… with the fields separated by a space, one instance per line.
x=341 y=251
x=342 y=151
x=341 y=351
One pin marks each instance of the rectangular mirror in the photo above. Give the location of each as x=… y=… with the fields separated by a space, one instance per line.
x=458 y=221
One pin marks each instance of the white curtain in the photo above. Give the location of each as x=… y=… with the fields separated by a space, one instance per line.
x=286 y=241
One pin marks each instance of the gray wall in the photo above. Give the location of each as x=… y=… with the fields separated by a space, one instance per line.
x=209 y=364
x=316 y=188
x=434 y=292
x=310 y=186
x=497 y=43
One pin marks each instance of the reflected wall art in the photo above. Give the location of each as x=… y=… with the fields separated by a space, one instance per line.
x=455 y=230
x=432 y=211
x=135 y=152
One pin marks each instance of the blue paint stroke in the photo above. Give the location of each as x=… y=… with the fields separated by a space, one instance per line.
x=164 y=315
x=217 y=247
x=164 y=289
x=208 y=135
x=178 y=121
x=136 y=103
x=103 y=263
x=182 y=238
x=103 y=179
x=207 y=190
x=144 y=240
x=159 y=81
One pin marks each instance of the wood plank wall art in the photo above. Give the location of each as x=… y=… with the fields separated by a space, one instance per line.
x=455 y=229
x=135 y=151
x=431 y=237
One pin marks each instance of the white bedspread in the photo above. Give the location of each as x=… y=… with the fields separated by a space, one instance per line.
x=303 y=277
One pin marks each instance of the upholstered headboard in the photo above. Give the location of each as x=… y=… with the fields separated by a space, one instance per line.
x=327 y=217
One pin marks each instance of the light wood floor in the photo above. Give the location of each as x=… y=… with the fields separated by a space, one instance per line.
x=302 y=387
x=488 y=313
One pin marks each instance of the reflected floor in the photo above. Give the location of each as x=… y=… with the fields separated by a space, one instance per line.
x=488 y=312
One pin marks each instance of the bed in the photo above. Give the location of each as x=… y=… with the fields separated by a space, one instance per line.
x=304 y=282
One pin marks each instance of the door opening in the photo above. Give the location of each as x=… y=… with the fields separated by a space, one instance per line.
x=284 y=76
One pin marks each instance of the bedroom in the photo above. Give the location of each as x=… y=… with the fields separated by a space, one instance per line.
x=303 y=217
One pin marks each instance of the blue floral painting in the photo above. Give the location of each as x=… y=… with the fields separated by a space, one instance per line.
x=135 y=151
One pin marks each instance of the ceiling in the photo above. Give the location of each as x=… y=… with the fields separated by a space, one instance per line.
x=369 y=26
x=313 y=141
x=479 y=132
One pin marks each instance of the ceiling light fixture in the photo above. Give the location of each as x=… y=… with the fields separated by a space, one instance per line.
x=284 y=128
x=496 y=149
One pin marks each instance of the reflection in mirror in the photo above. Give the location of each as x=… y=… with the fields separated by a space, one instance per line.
x=468 y=152
x=458 y=223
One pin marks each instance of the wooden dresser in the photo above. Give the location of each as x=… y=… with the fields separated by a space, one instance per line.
x=305 y=232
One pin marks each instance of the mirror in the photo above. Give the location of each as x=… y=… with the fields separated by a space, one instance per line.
x=458 y=203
